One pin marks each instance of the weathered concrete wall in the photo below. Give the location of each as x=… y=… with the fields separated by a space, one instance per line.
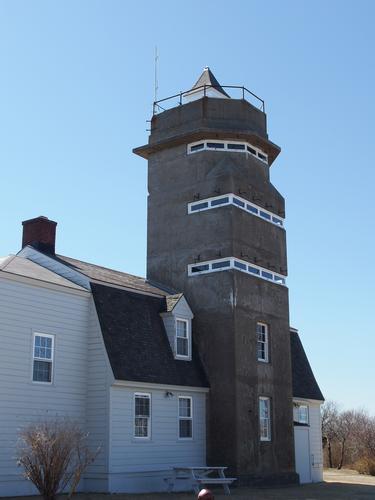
x=234 y=114
x=226 y=304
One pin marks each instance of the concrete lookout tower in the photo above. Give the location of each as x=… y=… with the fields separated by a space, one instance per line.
x=216 y=232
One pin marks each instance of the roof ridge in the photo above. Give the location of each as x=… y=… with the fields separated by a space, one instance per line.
x=101 y=267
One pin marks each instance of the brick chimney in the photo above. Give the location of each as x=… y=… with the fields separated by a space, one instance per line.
x=40 y=233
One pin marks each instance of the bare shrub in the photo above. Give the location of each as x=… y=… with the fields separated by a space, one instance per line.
x=54 y=455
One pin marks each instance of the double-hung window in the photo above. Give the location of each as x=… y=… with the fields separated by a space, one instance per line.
x=262 y=342
x=265 y=419
x=43 y=346
x=142 y=415
x=185 y=417
x=182 y=338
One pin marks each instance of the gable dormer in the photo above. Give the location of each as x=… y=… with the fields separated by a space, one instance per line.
x=178 y=325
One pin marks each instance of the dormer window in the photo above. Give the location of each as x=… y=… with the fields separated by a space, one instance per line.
x=182 y=338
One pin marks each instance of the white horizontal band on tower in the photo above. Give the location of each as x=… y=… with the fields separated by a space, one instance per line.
x=213 y=266
x=231 y=146
x=237 y=201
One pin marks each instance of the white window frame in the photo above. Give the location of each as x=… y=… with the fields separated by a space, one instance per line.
x=265 y=342
x=149 y=419
x=212 y=266
x=188 y=338
x=267 y=420
x=179 y=418
x=297 y=413
x=238 y=202
x=259 y=153
x=46 y=360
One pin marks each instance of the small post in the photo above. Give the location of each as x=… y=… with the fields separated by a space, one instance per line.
x=180 y=98
x=205 y=90
x=243 y=93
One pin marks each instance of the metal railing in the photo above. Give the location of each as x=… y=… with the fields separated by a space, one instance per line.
x=183 y=97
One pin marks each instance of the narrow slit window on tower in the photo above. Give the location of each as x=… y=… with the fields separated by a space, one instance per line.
x=276 y=220
x=199 y=206
x=267 y=275
x=220 y=265
x=199 y=269
x=279 y=279
x=238 y=202
x=197 y=147
x=262 y=342
x=265 y=419
x=236 y=146
x=251 y=150
x=253 y=270
x=252 y=209
x=215 y=145
x=265 y=215
x=262 y=157
x=219 y=201
x=240 y=265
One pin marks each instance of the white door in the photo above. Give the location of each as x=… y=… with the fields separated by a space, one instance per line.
x=302 y=453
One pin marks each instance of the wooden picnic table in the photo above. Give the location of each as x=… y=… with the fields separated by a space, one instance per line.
x=199 y=476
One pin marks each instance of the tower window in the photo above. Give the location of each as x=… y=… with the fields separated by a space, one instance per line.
x=236 y=146
x=262 y=342
x=199 y=206
x=200 y=269
x=237 y=264
x=265 y=419
x=182 y=338
x=197 y=147
x=265 y=215
x=237 y=201
x=219 y=201
x=230 y=146
x=219 y=265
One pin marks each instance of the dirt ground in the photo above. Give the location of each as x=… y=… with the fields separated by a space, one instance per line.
x=337 y=485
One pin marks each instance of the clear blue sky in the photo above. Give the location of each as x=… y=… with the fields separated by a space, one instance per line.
x=76 y=89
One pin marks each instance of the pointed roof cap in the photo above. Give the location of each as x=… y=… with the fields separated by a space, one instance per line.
x=208 y=78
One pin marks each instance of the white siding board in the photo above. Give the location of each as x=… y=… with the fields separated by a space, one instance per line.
x=26 y=308
x=152 y=459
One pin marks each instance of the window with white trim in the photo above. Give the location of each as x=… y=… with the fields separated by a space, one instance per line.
x=185 y=417
x=262 y=342
x=226 y=263
x=229 y=146
x=301 y=413
x=43 y=346
x=265 y=418
x=237 y=201
x=182 y=338
x=142 y=415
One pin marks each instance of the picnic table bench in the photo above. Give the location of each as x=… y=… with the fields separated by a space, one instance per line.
x=199 y=476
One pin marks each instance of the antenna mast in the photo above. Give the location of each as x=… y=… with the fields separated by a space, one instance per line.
x=156 y=84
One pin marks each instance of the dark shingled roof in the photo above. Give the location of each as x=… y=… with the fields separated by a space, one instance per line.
x=136 y=341
x=208 y=78
x=304 y=383
x=110 y=276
